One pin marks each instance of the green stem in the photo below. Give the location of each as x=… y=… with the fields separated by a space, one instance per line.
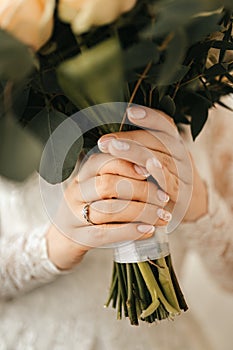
x=179 y=294
x=144 y=296
x=112 y=289
x=131 y=304
x=155 y=291
x=121 y=288
x=166 y=283
x=151 y=285
x=119 y=305
x=122 y=271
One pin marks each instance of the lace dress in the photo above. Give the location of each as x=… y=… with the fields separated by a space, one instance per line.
x=65 y=310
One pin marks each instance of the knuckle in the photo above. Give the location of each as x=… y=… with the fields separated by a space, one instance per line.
x=99 y=213
x=119 y=164
x=108 y=209
x=105 y=186
x=94 y=216
x=166 y=161
x=145 y=190
x=92 y=157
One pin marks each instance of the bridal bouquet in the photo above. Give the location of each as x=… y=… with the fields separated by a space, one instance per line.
x=60 y=57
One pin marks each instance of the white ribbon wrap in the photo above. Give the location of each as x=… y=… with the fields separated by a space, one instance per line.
x=138 y=251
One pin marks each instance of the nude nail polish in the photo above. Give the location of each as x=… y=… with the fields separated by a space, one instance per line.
x=141 y=170
x=145 y=228
x=163 y=197
x=120 y=145
x=136 y=112
x=103 y=143
x=164 y=215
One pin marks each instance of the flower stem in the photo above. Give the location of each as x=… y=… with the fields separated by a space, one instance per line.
x=131 y=303
x=151 y=285
x=143 y=76
x=166 y=283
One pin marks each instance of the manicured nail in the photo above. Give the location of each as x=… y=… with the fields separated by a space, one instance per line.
x=120 y=145
x=163 y=214
x=141 y=170
x=146 y=228
x=154 y=162
x=136 y=112
x=103 y=143
x=163 y=197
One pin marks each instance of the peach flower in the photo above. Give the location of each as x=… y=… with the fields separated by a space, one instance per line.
x=84 y=14
x=30 y=21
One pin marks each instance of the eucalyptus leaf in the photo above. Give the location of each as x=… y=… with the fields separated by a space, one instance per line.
x=202 y=26
x=223 y=45
x=198 y=110
x=62 y=143
x=155 y=74
x=16 y=59
x=199 y=118
x=20 y=97
x=138 y=55
x=49 y=82
x=226 y=38
x=171 y=14
x=167 y=105
x=95 y=76
x=20 y=151
x=174 y=57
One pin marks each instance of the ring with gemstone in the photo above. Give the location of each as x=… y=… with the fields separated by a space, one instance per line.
x=85 y=213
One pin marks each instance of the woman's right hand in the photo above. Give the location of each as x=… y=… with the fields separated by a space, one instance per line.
x=122 y=207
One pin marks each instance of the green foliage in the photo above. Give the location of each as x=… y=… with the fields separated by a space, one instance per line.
x=174 y=39
x=16 y=60
x=47 y=127
x=179 y=13
x=19 y=151
x=94 y=77
x=138 y=55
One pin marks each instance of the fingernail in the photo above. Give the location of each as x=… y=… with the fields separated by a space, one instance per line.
x=103 y=143
x=154 y=162
x=145 y=228
x=141 y=170
x=136 y=112
x=163 y=196
x=120 y=145
x=163 y=214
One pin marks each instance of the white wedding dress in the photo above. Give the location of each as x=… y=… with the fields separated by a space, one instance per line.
x=42 y=308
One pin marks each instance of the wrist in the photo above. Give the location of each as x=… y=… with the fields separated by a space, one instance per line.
x=62 y=251
x=199 y=202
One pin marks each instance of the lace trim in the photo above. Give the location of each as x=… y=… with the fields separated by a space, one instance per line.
x=26 y=264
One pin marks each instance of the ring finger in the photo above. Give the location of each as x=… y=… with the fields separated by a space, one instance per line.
x=119 y=211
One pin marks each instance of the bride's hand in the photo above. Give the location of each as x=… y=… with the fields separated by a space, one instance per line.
x=122 y=206
x=159 y=149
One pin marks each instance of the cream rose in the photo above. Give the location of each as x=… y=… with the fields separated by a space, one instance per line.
x=84 y=14
x=30 y=21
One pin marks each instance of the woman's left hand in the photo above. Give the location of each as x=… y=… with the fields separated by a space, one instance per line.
x=159 y=148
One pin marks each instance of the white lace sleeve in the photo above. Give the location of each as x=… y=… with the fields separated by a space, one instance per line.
x=212 y=235
x=24 y=263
